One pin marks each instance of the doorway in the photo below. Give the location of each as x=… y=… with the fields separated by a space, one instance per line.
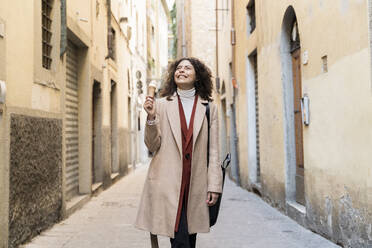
x=290 y=52
x=253 y=124
x=114 y=129
x=72 y=121
x=97 y=169
x=297 y=95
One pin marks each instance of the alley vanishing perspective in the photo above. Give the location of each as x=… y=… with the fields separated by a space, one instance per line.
x=245 y=222
x=292 y=82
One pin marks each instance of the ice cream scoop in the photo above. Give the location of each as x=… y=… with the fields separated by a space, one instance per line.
x=151 y=89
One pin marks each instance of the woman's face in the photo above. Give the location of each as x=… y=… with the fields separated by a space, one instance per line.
x=184 y=75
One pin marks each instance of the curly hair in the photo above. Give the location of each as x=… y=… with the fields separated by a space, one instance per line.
x=203 y=79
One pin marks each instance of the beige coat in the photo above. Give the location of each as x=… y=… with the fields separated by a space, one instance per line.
x=159 y=202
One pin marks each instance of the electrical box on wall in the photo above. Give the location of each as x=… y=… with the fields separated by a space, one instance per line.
x=2 y=98
x=305 y=104
x=305 y=58
x=2 y=92
x=2 y=30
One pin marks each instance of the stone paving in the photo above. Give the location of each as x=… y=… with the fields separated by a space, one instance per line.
x=245 y=221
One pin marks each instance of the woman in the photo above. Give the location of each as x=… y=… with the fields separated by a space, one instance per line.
x=179 y=187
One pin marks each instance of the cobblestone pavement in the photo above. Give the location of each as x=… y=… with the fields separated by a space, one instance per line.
x=245 y=221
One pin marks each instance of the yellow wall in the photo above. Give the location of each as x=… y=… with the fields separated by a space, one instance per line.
x=338 y=140
x=29 y=84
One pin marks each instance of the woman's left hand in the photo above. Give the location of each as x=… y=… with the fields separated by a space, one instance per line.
x=212 y=198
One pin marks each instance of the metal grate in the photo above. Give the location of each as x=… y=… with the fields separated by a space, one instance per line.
x=257 y=125
x=47 y=6
x=72 y=122
x=254 y=60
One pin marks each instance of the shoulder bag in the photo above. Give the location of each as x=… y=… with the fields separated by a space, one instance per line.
x=213 y=210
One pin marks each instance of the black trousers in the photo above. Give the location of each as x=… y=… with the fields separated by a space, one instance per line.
x=182 y=238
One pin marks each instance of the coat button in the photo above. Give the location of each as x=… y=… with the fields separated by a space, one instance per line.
x=187 y=156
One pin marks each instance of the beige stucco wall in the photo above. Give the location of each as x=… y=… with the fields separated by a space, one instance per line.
x=24 y=71
x=243 y=48
x=338 y=140
x=37 y=92
x=225 y=73
x=203 y=35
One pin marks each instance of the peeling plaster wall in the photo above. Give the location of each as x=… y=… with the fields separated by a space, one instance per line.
x=35 y=197
x=341 y=220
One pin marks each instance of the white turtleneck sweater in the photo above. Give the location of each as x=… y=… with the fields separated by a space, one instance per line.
x=187 y=98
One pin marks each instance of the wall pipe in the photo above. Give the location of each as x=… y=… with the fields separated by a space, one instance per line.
x=217 y=64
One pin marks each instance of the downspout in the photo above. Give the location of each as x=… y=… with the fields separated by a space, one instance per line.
x=233 y=37
x=184 y=52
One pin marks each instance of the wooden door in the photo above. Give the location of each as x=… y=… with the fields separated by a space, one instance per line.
x=297 y=91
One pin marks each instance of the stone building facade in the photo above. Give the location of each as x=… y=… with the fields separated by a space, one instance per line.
x=158 y=24
x=67 y=121
x=203 y=31
x=294 y=90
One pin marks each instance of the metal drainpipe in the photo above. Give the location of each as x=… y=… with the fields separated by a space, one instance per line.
x=217 y=69
x=234 y=137
x=184 y=51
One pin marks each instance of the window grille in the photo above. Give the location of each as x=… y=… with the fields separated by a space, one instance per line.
x=47 y=6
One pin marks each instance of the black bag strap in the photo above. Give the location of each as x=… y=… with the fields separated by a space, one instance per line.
x=207 y=112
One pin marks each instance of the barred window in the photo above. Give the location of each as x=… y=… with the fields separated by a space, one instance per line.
x=112 y=45
x=47 y=6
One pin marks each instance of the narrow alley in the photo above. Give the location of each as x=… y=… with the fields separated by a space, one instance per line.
x=245 y=222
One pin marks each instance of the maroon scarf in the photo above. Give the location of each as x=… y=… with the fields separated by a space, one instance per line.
x=186 y=157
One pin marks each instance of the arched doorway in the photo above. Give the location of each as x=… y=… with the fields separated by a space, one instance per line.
x=292 y=92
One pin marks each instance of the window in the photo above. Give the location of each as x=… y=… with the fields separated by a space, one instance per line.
x=295 y=37
x=325 y=64
x=47 y=6
x=251 y=16
x=112 y=47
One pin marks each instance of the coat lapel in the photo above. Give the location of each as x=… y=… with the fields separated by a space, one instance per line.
x=174 y=122
x=199 y=117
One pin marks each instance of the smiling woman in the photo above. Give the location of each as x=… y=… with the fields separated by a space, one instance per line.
x=185 y=75
x=202 y=78
x=179 y=187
